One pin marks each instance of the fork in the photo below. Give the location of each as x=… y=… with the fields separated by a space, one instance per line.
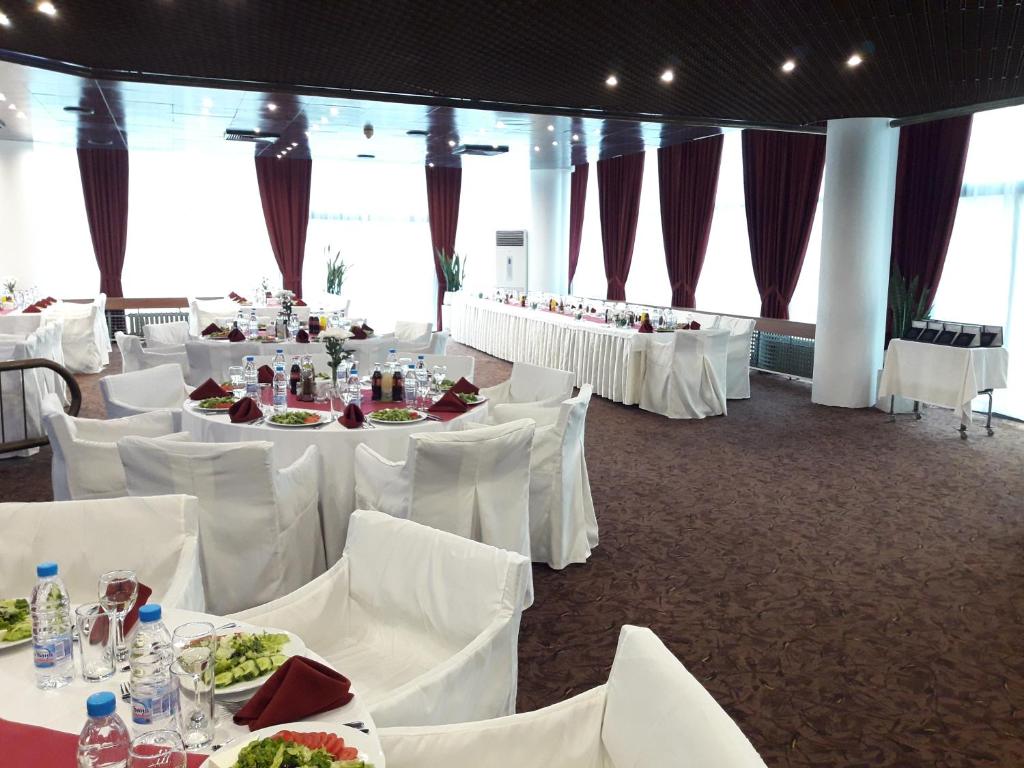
x=126 y=692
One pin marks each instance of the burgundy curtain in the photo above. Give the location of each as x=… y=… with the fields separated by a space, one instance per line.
x=105 y=189
x=618 y=188
x=687 y=180
x=781 y=179
x=284 y=192
x=929 y=174
x=444 y=188
x=577 y=203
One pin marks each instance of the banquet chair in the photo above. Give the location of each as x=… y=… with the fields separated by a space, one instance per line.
x=425 y=623
x=438 y=343
x=413 y=334
x=684 y=374
x=532 y=383
x=202 y=312
x=211 y=359
x=85 y=462
x=474 y=483
x=737 y=369
x=134 y=357
x=259 y=526
x=84 y=340
x=563 y=524
x=155 y=537
x=706 y=321
x=165 y=334
x=652 y=712
x=22 y=392
x=459 y=366
x=151 y=389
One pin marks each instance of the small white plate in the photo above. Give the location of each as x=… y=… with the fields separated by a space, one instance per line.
x=369 y=751
x=325 y=418
x=479 y=399
x=242 y=690
x=420 y=416
x=195 y=407
x=15 y=643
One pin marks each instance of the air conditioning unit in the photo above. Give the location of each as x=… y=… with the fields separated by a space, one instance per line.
x=510 y=262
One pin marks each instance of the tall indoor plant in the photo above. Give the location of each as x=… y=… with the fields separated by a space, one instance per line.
x=454 y=269
x=336 y=271
x=907 y=302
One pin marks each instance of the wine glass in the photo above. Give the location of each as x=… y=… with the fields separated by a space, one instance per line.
x=440 y=373
x=195 y=645
x=118 y=591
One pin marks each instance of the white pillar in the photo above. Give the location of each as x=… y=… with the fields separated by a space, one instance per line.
x=548 y=236
x=856 y=239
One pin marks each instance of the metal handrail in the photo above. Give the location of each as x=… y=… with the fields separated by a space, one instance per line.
x=24 y=365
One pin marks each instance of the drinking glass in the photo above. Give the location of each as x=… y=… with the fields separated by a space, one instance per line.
x=194 y=645
x=267 y=399
x=236 y=375
x=94 y=646
x=157 y=749
x=440 y=373
x=338 y=398
x=118 y=591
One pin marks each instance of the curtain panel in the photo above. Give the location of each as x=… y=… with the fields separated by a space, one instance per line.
x=104 y=175
x=577 y=204
x=781 y=181
x=444 y=188
x=284 y=192
x=687 y=182
x=619 y=180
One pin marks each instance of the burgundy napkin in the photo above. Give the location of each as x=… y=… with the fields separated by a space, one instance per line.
x=646 y=327
x=43 y=303
x=449 y=403
x=358 y=333
x=299 y=689
x=100 y=630
x=31 y=309
x=353 y=417
x=302 y=337
x=233 y=295
x=299 y=303
x=367 y=329
x=51 y=300
x=464 y=387
x=211 y=328
x=236 y=335
x=244 y=411
x=694 y=325
x=265 y=374
x=208 y=388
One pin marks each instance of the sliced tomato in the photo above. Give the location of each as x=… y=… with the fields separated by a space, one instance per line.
x=320 y=739
x=311 y=419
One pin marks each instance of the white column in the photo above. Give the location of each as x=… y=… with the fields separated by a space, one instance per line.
x=548 y=236
x=856 y=239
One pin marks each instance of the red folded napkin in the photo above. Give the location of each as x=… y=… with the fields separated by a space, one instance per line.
x=353 y=417
x=299 y=689
x=51 y=300
x=42 y=303
x=358 y=333
x=232 y=295
x=302 y=337
x=208 y=388
x=464 y=387
x=101 y=629
x=694 y=325
x=244 y=411
x=367 y=329
x=236 y=335
x=211 y=328
x=265 y=374
x=646 y=327
x=31 y=309
x=299 y=303
x=449 y=403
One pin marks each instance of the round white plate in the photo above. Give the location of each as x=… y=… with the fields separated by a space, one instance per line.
x=420 y=416
x=479 y=399
x=325 y=418
x=210 y=410
x=294 y=647
x=368 y=748
x=15 y=643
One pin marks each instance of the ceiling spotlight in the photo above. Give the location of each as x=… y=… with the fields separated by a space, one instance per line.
x=499 y=124
x=551 y=127
x=256 y=130
x=295 y=143
x=4 y=20
x=272 y=107
x=789 y=66
x=2 y=97
x=21 y=115
x=612 y=81
x=368 y=130
x=854 y=61
x=536 y=148
x=334 y=111
x=451 y=142
x=208 y=102
x=48 y=8
x=575 y=137
x=11 y=106
x=430 y=165
x=554 y=143
x=667 y=76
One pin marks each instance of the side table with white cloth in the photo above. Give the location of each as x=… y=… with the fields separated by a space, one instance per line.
x=949 y=377
x=685 y=373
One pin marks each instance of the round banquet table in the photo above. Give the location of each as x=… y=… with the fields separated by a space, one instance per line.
x=337 y=447
x=64 y=709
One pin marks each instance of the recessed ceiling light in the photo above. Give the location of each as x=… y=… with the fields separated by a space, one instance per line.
x=48 y=8
x=272 y=107
x=430 y=165
x=789 y=66
x=536 y=148
x=554 y=143
x=334 y=111
x=255 y=130
x=208 y=102
x=854 y=61
x=295 y=143
x=2 y=97
x=21 y=115
x=4 y=20
x=499 y=124
x=451 y=142
x=612 y=81
x=575 y=137
x=11 y=106
x=551 y=127
x=668 y=76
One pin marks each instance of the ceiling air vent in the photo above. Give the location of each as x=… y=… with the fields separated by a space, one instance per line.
x=510 y=238
x=484 y=150
x=233 y=134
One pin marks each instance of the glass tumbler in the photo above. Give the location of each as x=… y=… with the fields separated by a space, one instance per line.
x=236 y=374
x=95 y=642
x=157 y=749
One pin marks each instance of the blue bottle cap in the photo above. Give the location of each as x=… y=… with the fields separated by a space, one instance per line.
x=46 y=569
x=250 y=358
x=150 y=612
x=279 y=350
x=101 y=704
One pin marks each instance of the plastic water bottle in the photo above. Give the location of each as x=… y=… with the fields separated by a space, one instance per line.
x=392 y=357
x=420 y=363
x=104 y=740
x=154 y=687
x=50 y=607
x=409 y=386
x=252 y=378
x=280 y=388
x=278 y=358
x=355 y=387
x=422 y=379
x=254 y=325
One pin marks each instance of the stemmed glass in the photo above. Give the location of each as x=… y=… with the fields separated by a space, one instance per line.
x=439 y=374
x=118 y=591
x=195 y=645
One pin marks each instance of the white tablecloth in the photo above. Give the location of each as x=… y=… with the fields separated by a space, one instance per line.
x=940 y=375
x=64 y=709
x=337 y=456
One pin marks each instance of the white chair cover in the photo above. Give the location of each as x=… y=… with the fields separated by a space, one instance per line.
x=458 y=365
x=85 y=342
x=425 y=623
x=155 y=537
x=737 y=371
x=707 y=322
x=136 y=358
x=21 y=405
x=438 y=343
x=166 y=334
x=151 y=389
x=260 y=528
x=473 y=483
x=685 y=374
x=530 y=383
x=652 y=713
x=415 y=334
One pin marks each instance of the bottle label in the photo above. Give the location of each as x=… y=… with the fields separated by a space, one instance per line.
x=50 y=654
x=155 y=709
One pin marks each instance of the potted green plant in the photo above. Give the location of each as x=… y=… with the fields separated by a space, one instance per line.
x=907 y=302
x=454 y=269
x=336 y=271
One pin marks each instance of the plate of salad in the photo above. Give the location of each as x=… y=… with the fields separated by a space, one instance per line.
x=396 y=416
x=301 y=745
x=15 y=623
x=445 y=385
x=470 y=398
x=215 y=404
x=245 y=659
x=296 y=419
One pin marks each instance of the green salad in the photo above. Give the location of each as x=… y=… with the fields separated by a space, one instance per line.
x=468 y=397
x=220 y=403
x=295 y=418
x=15 y=622
x=445 y=385
x=244 y=656
x=394 y=414
x=280 y=753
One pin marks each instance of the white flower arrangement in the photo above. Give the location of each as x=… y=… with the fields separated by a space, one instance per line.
x=284 y=294
x=336 y=333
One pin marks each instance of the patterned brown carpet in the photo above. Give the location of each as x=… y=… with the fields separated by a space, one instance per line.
x=851 y=591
